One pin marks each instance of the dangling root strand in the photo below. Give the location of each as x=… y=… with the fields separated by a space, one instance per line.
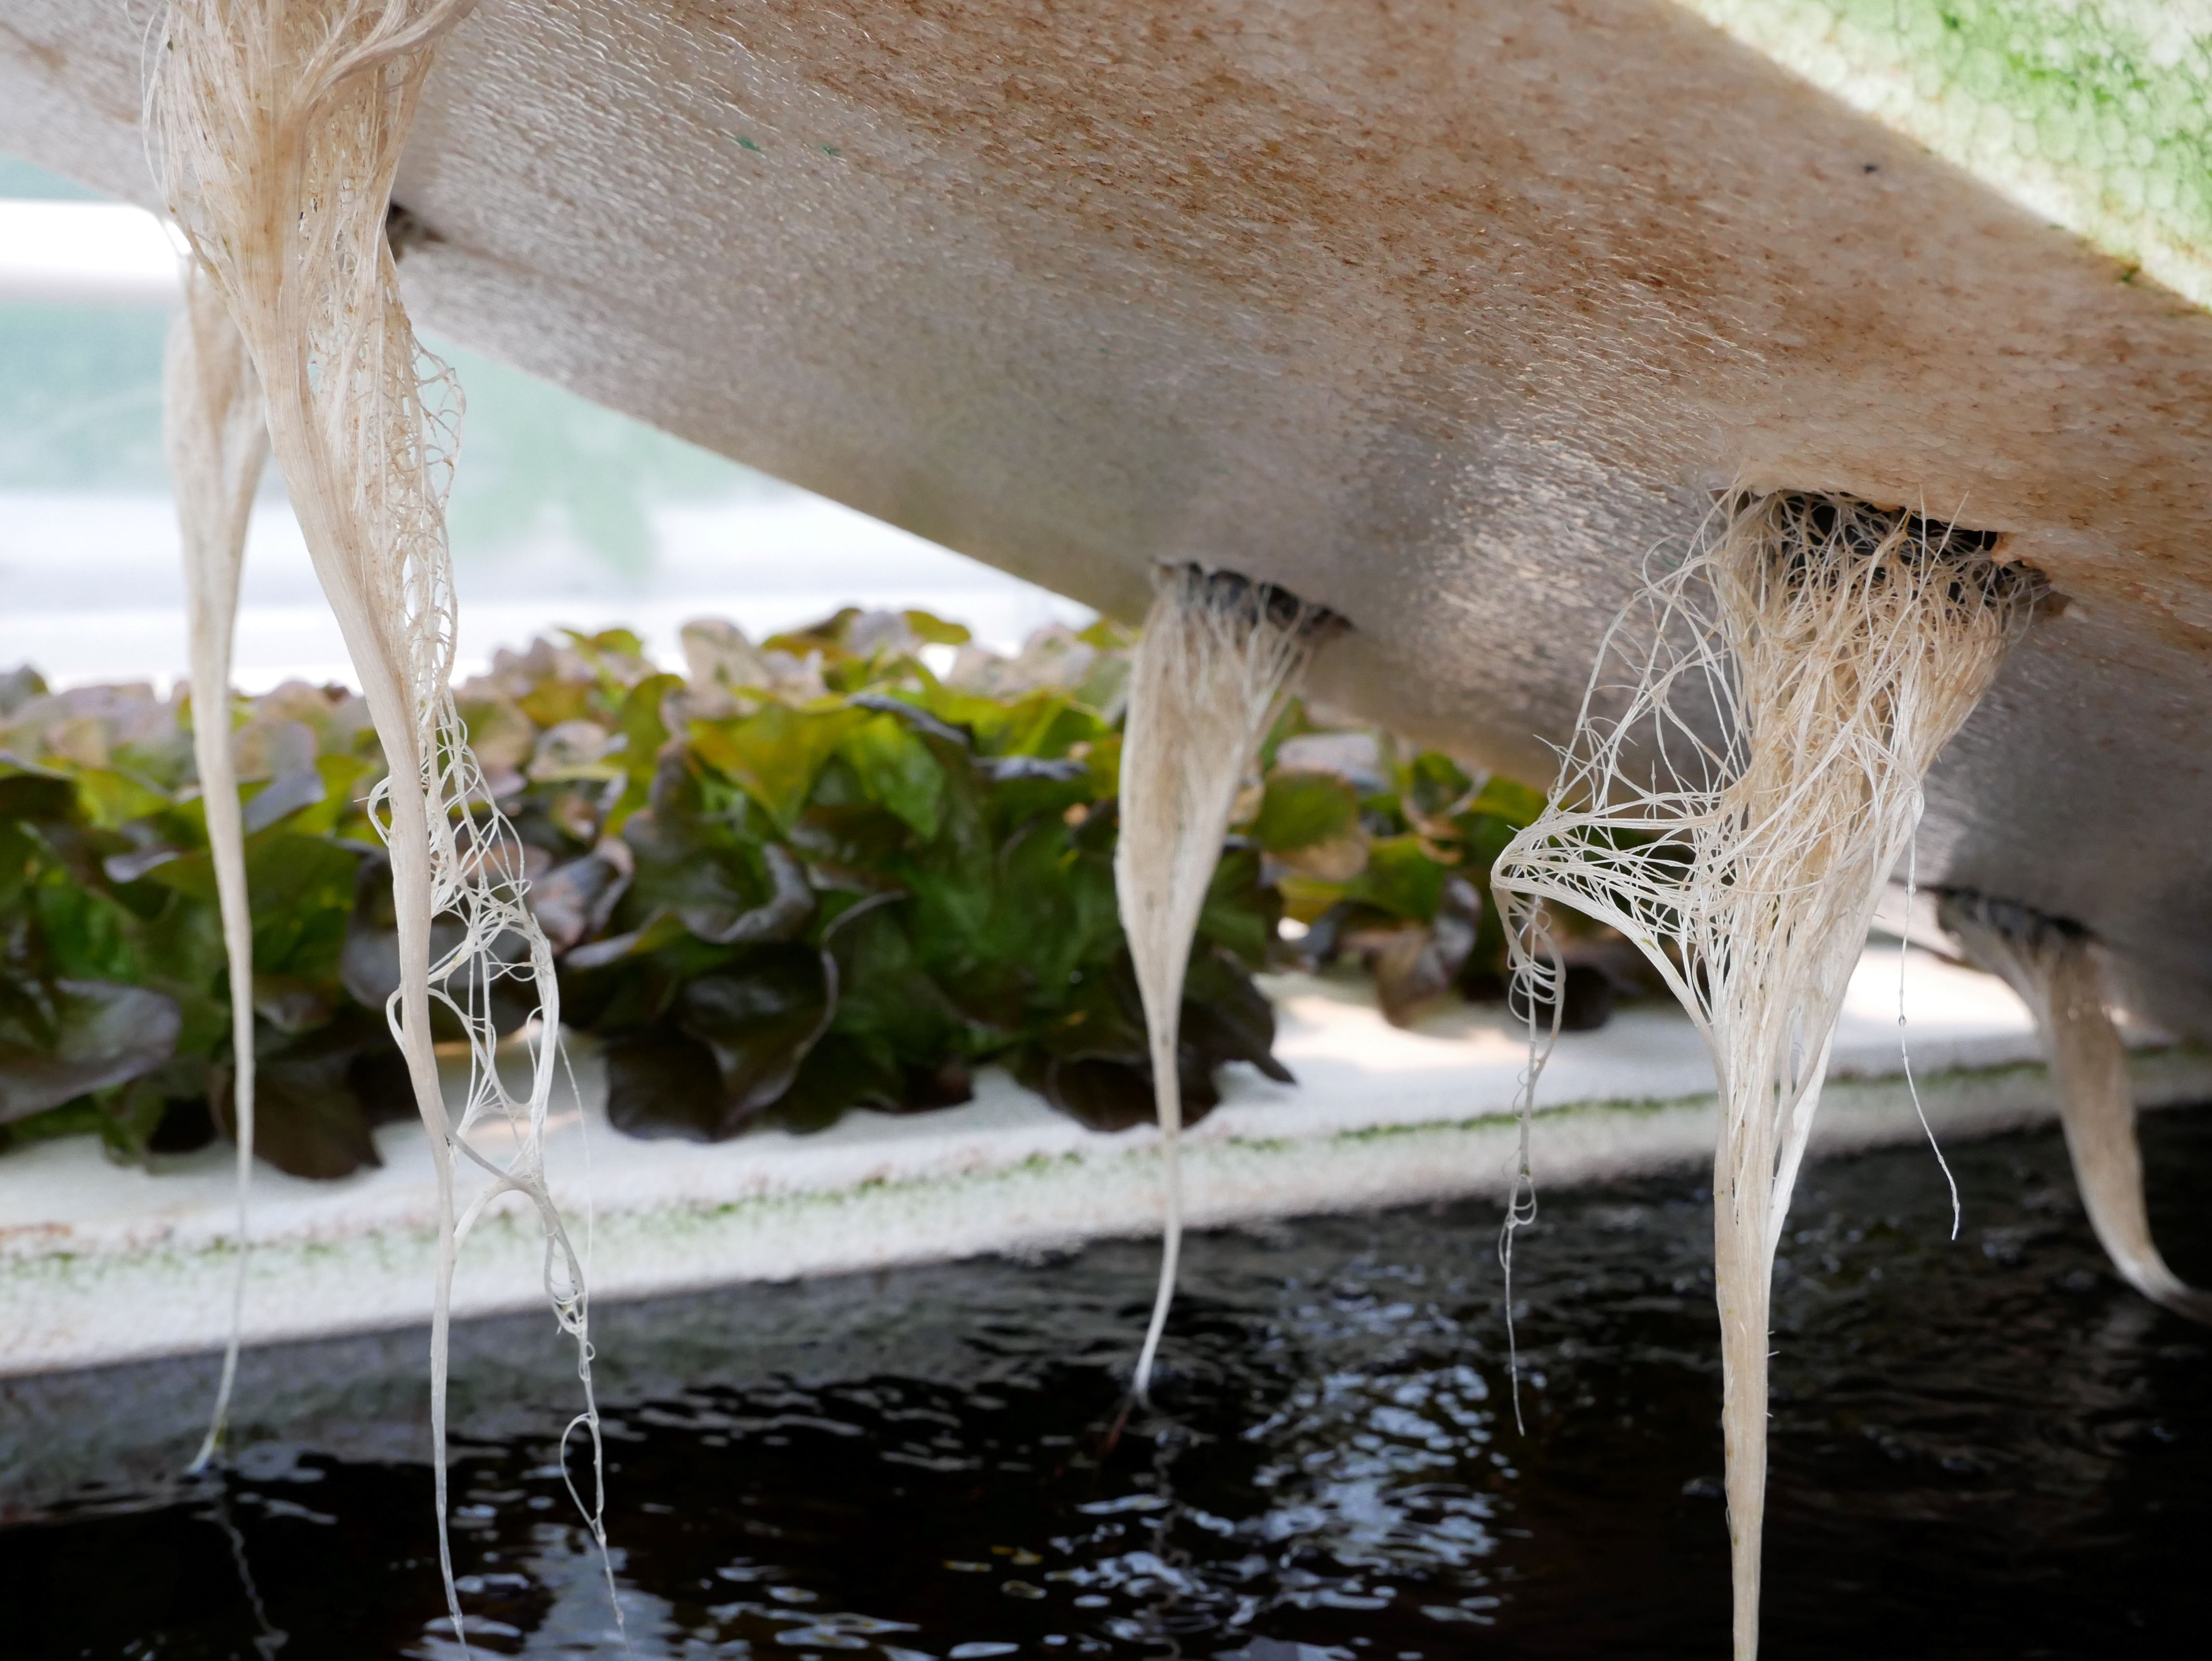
x=1782 y=693
x=278 y=125
x=2053 y=965
x=1219 y=658
x=218 y=444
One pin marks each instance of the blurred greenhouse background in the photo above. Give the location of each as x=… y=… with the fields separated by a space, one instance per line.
x=563 y=513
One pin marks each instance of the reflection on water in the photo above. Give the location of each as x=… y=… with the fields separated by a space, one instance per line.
x=1988 y=1448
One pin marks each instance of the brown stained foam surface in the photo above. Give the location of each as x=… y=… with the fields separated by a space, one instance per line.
x=1438 y=315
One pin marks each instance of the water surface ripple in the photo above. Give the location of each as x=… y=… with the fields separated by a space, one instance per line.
x=1989 y=1448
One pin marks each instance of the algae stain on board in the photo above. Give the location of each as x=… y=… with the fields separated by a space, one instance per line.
x=2094 y=114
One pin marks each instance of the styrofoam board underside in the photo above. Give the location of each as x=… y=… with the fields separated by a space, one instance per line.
x=99 y=1265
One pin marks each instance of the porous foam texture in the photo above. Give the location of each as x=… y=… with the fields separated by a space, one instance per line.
x=1744 y=774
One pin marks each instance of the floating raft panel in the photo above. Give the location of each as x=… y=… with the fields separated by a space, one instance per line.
x=1443 y=314
x=99 y=1264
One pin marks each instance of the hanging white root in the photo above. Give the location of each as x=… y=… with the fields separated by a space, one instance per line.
x=278 y=125
x=2053 y=965
x=1537 y=997
x=1219 y=657
x=1780 y=696
x=218 y=442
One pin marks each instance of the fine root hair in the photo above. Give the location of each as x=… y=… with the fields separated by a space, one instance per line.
x=1744 y=774
x=1220 y=656
x=275 y=128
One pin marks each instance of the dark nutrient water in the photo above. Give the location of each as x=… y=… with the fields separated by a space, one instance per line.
x=1989 y=1448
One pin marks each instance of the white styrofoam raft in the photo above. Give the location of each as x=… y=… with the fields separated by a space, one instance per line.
x=100 y=1264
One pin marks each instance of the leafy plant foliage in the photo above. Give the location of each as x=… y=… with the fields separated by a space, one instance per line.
x=1384 y=857
x=805 y=876
x=113 y=1017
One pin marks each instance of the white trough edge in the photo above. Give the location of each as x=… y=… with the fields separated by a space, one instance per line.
x=100 y=1264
